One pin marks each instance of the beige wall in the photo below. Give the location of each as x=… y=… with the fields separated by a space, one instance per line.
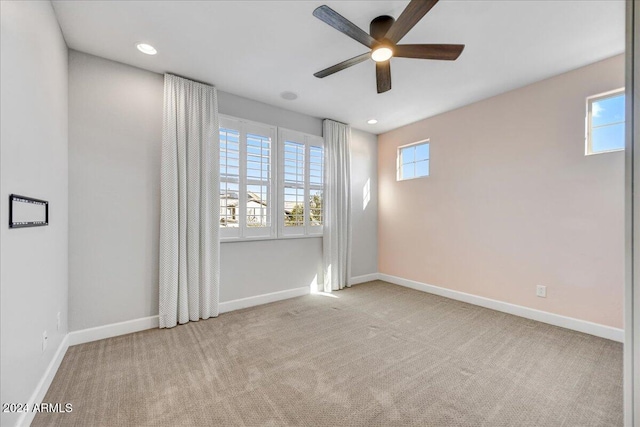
x=512 y=201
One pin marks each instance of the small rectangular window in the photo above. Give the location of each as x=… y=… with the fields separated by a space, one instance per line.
x=413 y=160
x=605 y=122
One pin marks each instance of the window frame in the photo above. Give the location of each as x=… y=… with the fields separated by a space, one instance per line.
x=588 y=149
x=308 y=141
x=278 y=135
x=399 y=163
x=243 y=232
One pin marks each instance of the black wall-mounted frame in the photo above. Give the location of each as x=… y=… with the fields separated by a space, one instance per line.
x=36 y=222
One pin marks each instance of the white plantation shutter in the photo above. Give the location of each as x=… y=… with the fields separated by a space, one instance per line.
x=247 y=186
x=301 y=185
x=293 y=202
x=316 y=188
x=229 y=181
x=259 y=182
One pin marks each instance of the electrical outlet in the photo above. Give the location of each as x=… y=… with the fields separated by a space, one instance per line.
x=58 y=321
x=44 y=341
x=541 y=291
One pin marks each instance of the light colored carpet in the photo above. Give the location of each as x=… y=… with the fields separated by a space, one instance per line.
x=375 y=355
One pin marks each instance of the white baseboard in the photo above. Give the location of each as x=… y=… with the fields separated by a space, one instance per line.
x=151 y=322
x=356 y=280
x=127 y=327
x=26 y=418
x=237 y=304
x=130 y=326
x=584 y=326
x=112 y=330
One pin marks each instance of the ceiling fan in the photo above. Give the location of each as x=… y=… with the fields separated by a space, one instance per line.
x=384 y=34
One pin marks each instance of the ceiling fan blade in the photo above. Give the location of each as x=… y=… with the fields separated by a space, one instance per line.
x=408 y=18
x=341 y=66
x=447 y=52
x=342 y=24
x=383 y=76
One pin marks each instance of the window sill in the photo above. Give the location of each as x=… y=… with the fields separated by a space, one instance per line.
x=412 y=178
x=257 y=239
x=595 y=153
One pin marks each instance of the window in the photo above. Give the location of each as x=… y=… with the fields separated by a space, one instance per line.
x=246 y=179
x=605 y=122
x=301 y=184
x=260 y=197
x=413 y=160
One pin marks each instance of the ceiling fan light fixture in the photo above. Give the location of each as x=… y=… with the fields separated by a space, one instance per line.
x=381 y=54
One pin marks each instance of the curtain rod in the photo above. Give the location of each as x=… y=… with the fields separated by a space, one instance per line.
x=337 y=121
x=190 y=79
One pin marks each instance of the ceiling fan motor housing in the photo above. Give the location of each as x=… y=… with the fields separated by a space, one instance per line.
x=379 y=26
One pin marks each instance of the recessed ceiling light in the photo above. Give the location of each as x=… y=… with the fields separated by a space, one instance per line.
x=289 y=96
x=372 y=121
x=146 y=48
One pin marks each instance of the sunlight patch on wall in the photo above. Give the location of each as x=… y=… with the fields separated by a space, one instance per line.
x=314 y=285
x=366 y=194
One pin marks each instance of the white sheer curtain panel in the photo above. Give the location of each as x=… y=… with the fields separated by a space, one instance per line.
x=189 y=206
x=337 y=205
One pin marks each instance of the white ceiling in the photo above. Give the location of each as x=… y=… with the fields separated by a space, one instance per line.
x=258 y=49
